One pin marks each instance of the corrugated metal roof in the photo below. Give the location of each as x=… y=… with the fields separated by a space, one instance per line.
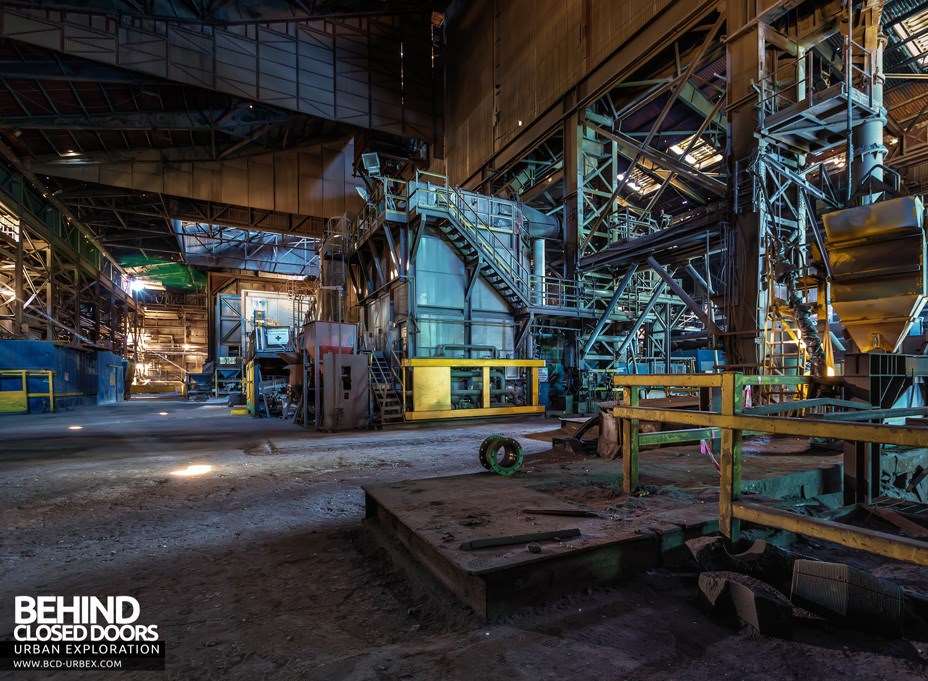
x=905 y=98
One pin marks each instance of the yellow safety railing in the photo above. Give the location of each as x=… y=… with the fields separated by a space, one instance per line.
x=431 y=386
x=731 y=424
x=17 y=401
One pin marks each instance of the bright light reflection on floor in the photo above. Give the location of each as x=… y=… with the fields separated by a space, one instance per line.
x=193 y=470
x=75 y=427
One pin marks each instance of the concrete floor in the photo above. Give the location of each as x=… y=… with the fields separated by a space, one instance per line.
x=259 y=569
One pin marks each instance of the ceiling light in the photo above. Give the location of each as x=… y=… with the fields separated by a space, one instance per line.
x=75 y=427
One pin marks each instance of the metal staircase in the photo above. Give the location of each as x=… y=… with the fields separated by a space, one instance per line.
x=480 y=246
x=388 y=401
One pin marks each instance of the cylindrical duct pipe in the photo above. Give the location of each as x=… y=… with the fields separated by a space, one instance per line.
x=869 y=151
x=538 y=255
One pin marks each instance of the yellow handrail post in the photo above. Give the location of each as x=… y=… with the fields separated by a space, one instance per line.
x=630 y=396
x=730 y=460
x=51 y=390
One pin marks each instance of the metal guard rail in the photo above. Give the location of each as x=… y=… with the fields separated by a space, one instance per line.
x=17 y=401
x=733 y=423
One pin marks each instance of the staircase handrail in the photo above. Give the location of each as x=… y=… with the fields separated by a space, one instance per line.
x=491 y=246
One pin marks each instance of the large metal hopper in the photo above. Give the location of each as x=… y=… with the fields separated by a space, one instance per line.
x=878 y=260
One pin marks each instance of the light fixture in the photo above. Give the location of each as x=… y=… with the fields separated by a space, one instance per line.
x=75 y=427
x=162 y=413
x=371 y=163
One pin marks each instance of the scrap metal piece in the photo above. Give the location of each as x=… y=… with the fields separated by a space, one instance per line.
x=487 y=542
x=571 y=512
x=513 y=456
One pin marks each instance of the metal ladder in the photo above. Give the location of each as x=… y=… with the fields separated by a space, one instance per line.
x=388 y=402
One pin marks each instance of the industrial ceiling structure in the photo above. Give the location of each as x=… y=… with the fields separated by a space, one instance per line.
x=134 y=115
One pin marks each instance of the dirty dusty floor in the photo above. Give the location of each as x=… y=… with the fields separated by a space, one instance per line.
x=258 y=569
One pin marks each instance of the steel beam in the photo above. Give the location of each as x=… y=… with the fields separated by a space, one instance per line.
x=240 y=122
x=684 y=296
x=633 y=332
x=698 y=278
x=610 y=307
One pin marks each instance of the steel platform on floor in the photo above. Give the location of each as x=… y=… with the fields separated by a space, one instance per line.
x=428 y=520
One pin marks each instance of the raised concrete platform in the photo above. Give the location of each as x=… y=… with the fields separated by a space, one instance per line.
x=429 y=519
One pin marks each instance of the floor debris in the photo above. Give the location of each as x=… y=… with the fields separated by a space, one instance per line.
x=752 y=601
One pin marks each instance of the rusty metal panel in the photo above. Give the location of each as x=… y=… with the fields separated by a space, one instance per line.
x=612 y=23
x=469 y=109
x=179 y=182
x=335 y=168
x=317 y=182
x=286 y=182
x=310 y=188
x=261 y=182
x=559 y=26
x=202 y=178
x=235 y=182
x=517 y=59
x=516 y=69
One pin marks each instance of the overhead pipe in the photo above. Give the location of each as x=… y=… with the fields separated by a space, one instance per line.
x=697 y=277
x=867 y=153
x=538 y=258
